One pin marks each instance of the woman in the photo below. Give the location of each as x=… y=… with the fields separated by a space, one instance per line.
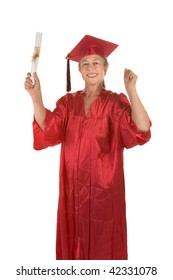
x=94 y=126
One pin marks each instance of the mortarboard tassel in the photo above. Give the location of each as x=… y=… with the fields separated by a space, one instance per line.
x=68 y=76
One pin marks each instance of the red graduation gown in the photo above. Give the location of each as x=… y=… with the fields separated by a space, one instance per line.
x=91 y=219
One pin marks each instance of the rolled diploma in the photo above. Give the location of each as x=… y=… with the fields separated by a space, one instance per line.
x=35 y=57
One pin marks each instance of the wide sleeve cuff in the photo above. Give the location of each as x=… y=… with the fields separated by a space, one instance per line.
x=131 y=136
x=50 y=136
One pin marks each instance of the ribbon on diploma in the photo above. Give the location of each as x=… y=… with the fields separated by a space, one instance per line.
x=36 y=54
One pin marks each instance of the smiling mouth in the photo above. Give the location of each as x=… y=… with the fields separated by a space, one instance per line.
x=91 y=75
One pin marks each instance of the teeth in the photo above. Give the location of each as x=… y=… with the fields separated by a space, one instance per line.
x=91 y=75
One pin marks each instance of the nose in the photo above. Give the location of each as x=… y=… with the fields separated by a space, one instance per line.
x=91 y=66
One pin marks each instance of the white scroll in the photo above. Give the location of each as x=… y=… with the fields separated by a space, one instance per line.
x=36 y=54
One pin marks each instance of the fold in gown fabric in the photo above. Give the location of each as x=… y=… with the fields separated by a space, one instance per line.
x=91 y=218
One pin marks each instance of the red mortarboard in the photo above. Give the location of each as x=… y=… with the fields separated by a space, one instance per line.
x=87 y=46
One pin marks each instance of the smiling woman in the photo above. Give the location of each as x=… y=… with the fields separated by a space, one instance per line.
x=93 y=66
x=93 y=126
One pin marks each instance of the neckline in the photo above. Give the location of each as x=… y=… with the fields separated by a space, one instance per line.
x=88 y=113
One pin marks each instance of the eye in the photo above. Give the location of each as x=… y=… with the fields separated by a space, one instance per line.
x=84 y=64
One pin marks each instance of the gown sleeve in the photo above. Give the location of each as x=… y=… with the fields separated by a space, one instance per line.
x=129 y=133
x=54 y=127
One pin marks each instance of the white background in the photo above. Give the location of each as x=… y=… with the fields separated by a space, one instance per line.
x=29 y=179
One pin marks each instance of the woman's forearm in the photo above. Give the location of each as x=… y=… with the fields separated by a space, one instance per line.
x=139 y=114
x=39 y=111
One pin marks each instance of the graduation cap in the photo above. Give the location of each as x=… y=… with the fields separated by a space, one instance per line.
x=89 y=45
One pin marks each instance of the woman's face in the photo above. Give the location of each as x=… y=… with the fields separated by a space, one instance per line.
x=92 y=69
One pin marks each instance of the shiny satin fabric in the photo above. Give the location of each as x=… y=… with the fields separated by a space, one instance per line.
x=91 y=218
